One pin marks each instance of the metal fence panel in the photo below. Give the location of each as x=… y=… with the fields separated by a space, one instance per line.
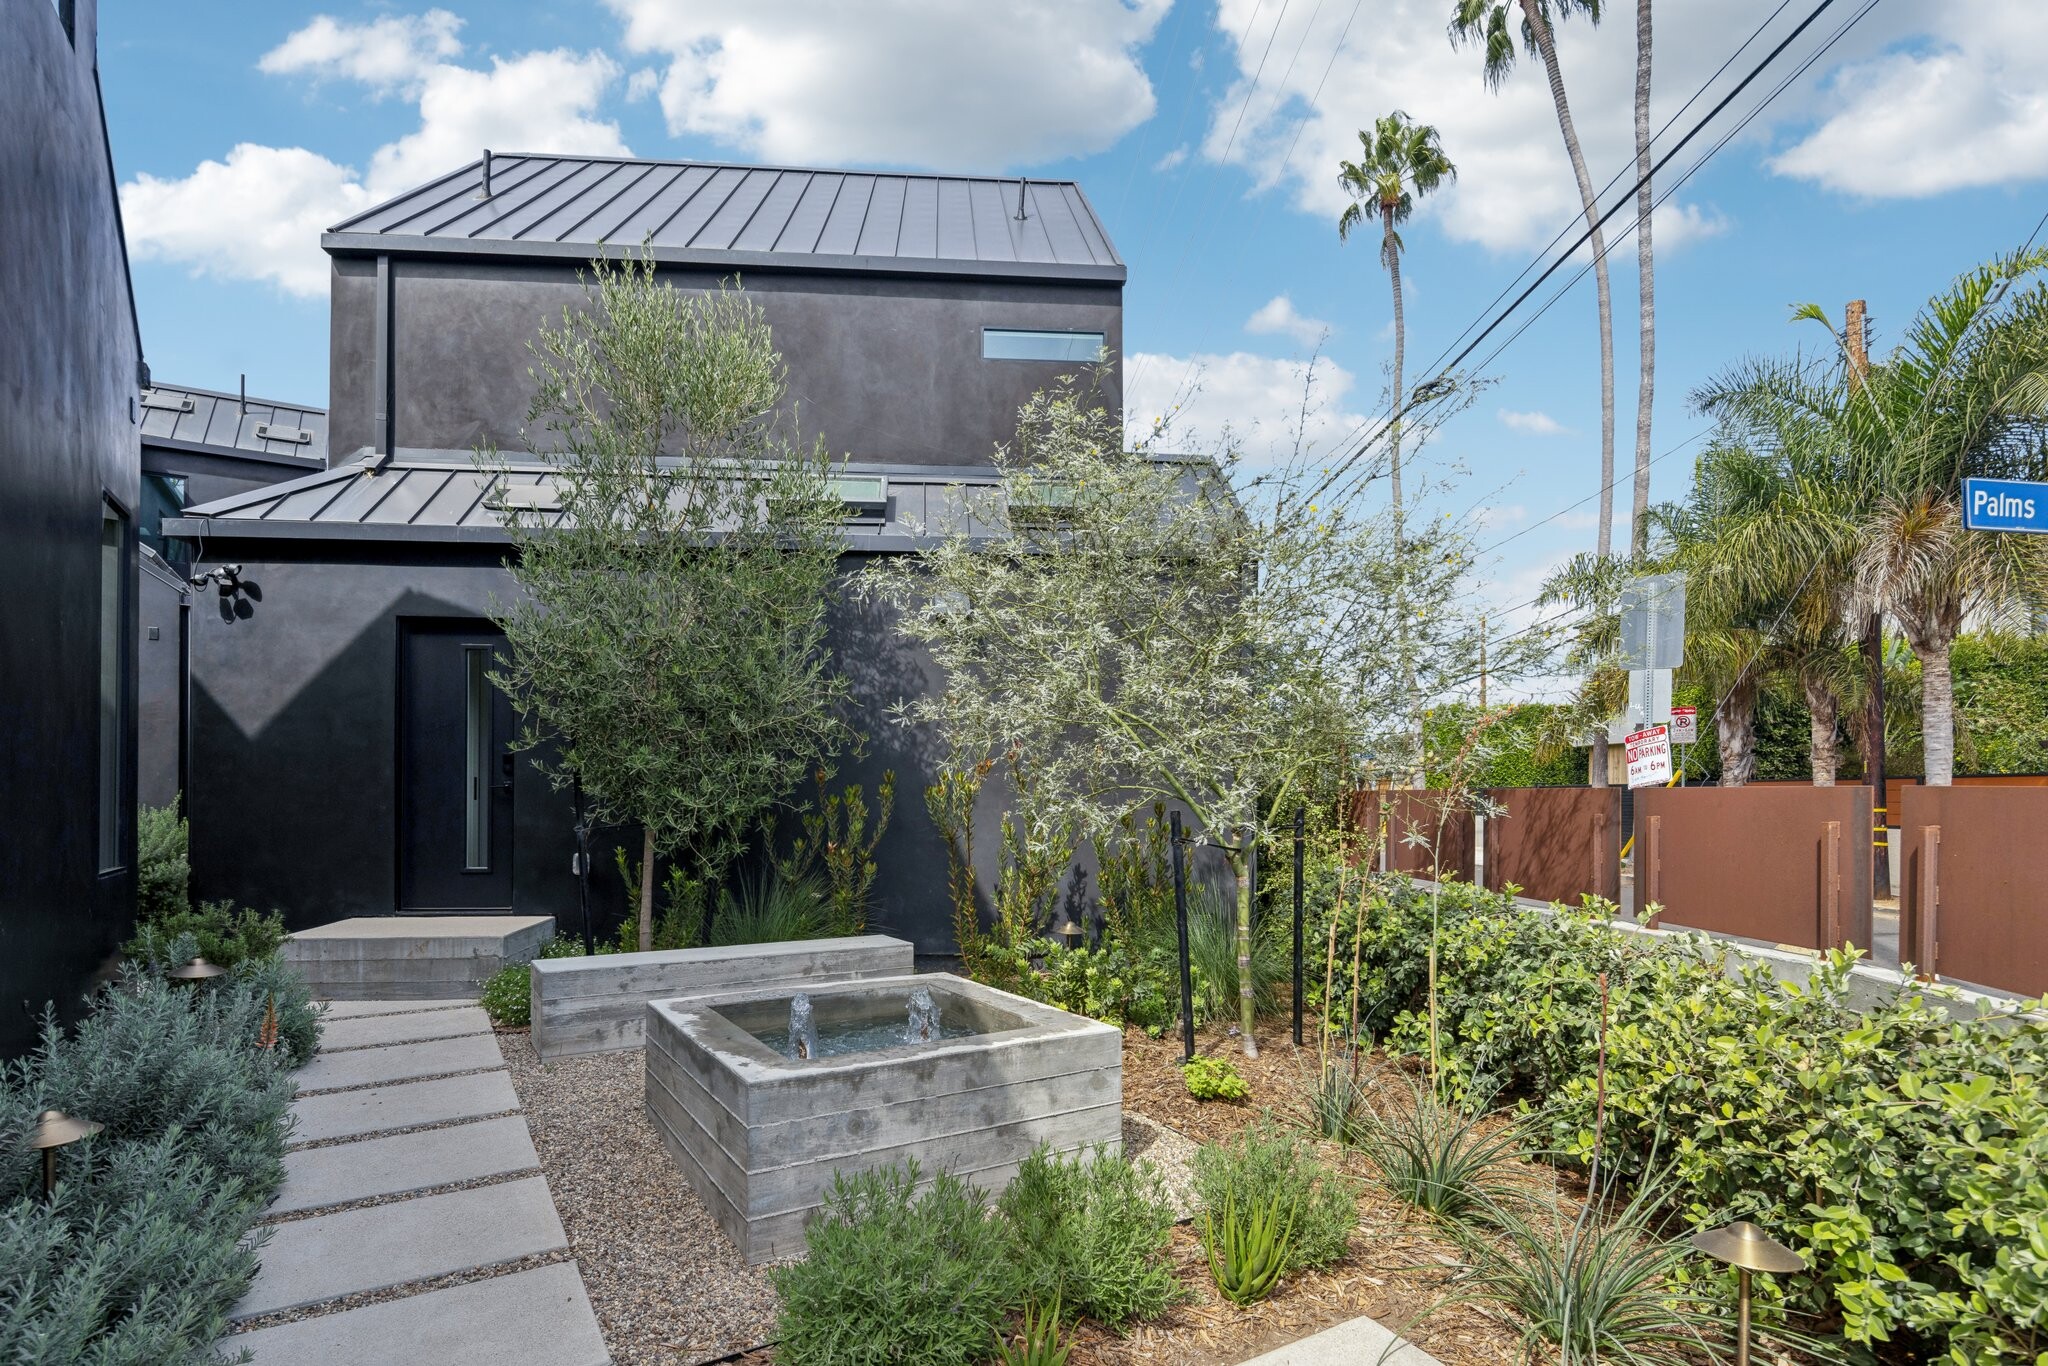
x=1973 y=904
x=1442 y=822
x=1555 y=843
x=1784 y=865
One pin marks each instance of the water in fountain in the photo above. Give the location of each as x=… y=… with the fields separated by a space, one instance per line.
x=924 y=1017
x=803 y=1030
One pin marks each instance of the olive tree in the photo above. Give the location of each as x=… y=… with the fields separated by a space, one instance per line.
x=669 y=635
x=1192 y=631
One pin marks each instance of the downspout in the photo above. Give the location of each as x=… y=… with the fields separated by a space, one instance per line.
x=382 y=376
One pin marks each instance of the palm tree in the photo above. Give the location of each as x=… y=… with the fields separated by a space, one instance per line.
x=1486 y=23
x=1646 y=290
x=1402 y=161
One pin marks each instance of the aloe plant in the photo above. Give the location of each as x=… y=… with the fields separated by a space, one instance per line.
x=1039 y=1344
x=1247 y=1255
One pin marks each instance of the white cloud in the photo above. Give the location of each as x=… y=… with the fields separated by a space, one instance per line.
x=1531 y=423
x=1967 y=109
x=1254 y=400
x=958 y=84
x=642 y=83
x=1171 y=159
x=258 y=214
x=1675 y=226
x=1279 y=316
x=1497 y=515
x=1515 y=187
x=389 y=53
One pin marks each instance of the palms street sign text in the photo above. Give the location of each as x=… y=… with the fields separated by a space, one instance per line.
x=2005 y=505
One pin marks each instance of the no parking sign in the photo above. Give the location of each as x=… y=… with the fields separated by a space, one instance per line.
x=1649 y=757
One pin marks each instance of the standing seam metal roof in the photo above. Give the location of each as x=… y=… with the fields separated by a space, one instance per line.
x=760 y=216
x=206 y=421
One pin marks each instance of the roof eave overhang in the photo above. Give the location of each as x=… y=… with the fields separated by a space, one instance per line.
x=302 y=463
x=227 y=529
x=484 y=249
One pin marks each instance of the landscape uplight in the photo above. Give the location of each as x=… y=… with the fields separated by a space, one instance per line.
x=55 y=1129
x=198 y=970
x=1747 y=1248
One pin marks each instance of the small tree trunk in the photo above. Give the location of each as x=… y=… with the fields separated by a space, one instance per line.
x=1546 y=48
x=1242 y=867
x=646 y=891
x=1937 y=711
x=1820 y=711
x=1736 y=730
x=1596 y=759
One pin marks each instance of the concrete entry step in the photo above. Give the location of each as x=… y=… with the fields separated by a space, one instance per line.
x=401 y=1163
x=339 y=1035
x=540 y=1317
x=400 y=1062
x=379 y=1109
x=309 y=1261
x=352 y=1010
x=374 y=958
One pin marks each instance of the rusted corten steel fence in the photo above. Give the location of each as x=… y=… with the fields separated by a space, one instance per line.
x=1441 y=821
x=1973 y=897
x=1785 y=865
x=1555 y=843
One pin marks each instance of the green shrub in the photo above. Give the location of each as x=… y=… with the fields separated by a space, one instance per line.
x=1091 y=1234
x=896 y=1276
x=1250 y=1244
x=508 y=996
x=1111 y=982
x=220 y=932
x=1214 y=1079
x=1212 y=949
x=140 y=1257
x=773 y=910
x=1040 y=1343
x=1267 y=1166
x=163 y=868
x=1439 y=1155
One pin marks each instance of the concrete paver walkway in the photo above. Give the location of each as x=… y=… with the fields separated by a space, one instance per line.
x=1361 y=1342
x=412 y=1111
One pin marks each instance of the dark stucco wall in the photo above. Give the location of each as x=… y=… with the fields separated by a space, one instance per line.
x=68 y=371
x=293 y=798
x=883 y=368
x=160 y=684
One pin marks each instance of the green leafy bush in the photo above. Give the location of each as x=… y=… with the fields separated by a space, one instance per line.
x=1111 y=982
x=1214 y=1079
x=508 y=992
x=897 y=1276
x=1091 y=1233
x=140 y=1257
x=163 y=868
x=1266 y=1166
x=220 y=932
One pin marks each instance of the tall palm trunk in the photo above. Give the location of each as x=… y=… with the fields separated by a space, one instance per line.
x=1735 y=728
x=1937 y=709
x=1646 y=292
x=1546 y=47
x=1391 y=251
x=1821 y=717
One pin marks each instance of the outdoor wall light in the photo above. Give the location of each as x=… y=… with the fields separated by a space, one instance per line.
x=198 y=970
x=55 y=1129
x=1747 y=1248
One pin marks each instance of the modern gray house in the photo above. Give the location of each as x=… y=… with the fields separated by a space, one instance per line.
x=70 y=367
x=344 y=761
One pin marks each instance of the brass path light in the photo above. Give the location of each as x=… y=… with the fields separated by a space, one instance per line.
x=55 y=1129
x=198 y=970
x=1747 y=1248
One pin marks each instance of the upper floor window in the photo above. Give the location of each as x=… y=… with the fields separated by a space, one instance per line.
x=1009 y=343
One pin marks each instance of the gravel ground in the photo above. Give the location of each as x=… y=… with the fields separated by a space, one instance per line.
x=1172 y=1155
x=667 y=1284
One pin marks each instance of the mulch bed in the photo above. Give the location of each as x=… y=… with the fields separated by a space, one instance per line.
x=668 y=1287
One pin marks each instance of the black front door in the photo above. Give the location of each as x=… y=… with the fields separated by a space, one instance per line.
x=454 y=769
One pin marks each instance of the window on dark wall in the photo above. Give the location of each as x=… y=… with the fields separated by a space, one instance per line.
x=114 y=687
x=1010 y=343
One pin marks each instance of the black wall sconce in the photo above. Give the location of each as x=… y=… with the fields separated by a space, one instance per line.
x=238 y=596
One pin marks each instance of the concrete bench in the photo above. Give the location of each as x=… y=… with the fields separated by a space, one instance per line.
x=597 y=1005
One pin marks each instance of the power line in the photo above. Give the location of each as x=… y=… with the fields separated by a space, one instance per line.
x=1401 y=409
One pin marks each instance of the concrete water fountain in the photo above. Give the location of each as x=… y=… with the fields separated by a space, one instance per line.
x=761 y=1097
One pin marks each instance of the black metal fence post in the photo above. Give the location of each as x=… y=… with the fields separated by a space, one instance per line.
x=1180 y=915
x=1300 y=839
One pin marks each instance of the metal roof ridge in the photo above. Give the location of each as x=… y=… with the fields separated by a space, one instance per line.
x=767 y=166
x=254 y=401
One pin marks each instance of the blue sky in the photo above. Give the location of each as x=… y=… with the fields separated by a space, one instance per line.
x=1917 y=146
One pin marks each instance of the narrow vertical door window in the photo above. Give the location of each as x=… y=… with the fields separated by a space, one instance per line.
x=477 y=797
x=113 y=688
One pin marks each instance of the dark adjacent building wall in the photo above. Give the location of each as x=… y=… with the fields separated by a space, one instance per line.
x=70 y=364
x=293 y=800
x=886 y=368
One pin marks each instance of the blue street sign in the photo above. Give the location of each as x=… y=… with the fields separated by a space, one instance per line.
x=2005 y=505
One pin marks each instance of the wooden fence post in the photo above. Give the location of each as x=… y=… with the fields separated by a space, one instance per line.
x=1926 y=943
x=1830 y=928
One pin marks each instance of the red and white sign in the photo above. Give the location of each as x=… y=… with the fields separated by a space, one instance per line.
x=1685 y=725
x=1649 y=757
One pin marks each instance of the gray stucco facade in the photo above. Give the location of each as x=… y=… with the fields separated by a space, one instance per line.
x=883 y=368
x=70 y=367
